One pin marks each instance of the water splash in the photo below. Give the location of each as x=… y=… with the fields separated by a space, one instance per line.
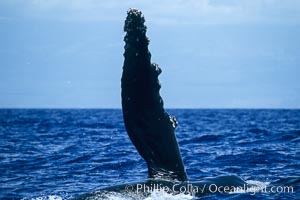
x=252 y=187
x=162 y=195
x=49 y=197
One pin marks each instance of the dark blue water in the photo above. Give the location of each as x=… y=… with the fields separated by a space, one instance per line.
x=59 y=154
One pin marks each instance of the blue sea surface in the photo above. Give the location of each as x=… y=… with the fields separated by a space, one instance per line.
x=62 y=153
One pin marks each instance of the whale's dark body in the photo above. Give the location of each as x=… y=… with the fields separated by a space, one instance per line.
x=149 y=126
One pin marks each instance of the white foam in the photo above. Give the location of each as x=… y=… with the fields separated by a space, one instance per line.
x=48 y=197
x=252 y=187
x=257 y=183
x=155 y=195
x=162 y=195
x=117 y=196
x=54 y=197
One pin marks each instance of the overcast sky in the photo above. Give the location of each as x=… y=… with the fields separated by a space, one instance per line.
x=213 y=53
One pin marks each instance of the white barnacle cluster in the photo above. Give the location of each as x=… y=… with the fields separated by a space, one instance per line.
x=156 y=68
x=135 y=29
x=134 y=20
x=133 y=11
x=174 y=121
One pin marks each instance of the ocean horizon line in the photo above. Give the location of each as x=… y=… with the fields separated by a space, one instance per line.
x=167 y=108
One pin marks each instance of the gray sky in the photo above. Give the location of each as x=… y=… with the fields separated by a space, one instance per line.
x=213 y=53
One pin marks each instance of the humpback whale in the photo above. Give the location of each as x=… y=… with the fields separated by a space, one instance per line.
x=150 y=128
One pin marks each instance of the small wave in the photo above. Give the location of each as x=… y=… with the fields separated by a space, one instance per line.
x=49 y=197
x=209 y=138
x=258 y=130
x=292 y=180
x=58 y=196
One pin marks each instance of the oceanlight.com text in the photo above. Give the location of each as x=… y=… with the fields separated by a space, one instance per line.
x=207 y=188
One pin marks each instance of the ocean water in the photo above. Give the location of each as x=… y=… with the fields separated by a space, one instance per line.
x=62 y=153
